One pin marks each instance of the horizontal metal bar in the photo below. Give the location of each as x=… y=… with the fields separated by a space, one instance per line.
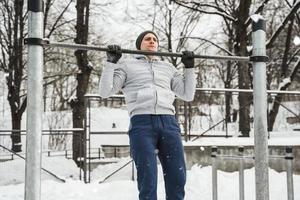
x=127 y=51
x=43 y=134
x=219 y=135
x=213 y=90
x=276 y=157
x=247 y=157
x=52 y=130
x=96 y=96
x=108 y=132
x=245 y=90
x=234 y=157
x=125 y=132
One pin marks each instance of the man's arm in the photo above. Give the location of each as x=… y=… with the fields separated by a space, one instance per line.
x=112 y=79
x=184 y=85
x=113 y=75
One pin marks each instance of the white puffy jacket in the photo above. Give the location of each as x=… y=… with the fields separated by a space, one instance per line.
x=149 y=86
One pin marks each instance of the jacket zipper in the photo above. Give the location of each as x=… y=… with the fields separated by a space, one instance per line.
x=151 y=66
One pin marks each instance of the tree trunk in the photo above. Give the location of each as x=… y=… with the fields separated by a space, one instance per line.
x=16 y=136
x=82 y=78
x=227 y=106
x=279 y=97
x=243 y=68
x=228 y=95
x=15 y=70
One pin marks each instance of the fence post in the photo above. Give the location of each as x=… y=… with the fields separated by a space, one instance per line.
x=259 y=60
x=34 y=100
x=214 y=166
x=185 y=121
x=241 y=172
x=289 y=172
x=132 y=171
x=85 y=141
x=99 y=153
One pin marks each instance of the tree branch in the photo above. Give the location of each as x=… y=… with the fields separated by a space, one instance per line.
x=224 y=15
x=216 y=45
x=280 y=28
x=259 y=10
x=58 y=19
x=23 y=106
x=297 y=16
x=295 y=70
x=293 y=56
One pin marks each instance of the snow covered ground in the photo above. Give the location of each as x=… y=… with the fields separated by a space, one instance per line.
x=120 y=186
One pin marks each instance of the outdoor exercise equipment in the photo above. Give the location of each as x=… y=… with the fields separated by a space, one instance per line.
x=36 y=43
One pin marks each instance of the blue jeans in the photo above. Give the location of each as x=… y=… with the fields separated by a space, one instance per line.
x=152 y=135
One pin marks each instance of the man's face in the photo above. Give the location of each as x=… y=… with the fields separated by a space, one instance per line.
x=149 y=43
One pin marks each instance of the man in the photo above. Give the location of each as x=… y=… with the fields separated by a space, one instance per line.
x=150 y=86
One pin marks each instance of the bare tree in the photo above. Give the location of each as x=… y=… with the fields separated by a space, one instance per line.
x=236 y=14
x=289 y=56
x=244 y=80
x=83 y=76
x=12 y=61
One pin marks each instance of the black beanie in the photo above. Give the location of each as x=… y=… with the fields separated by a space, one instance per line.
x=140 y=38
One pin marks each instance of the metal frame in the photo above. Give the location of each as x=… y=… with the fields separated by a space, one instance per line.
x=288 y=157
x=34 y=102
x=87 y=141
x=127 y=51
x=217 y=90
x=274 y=92
x=260 y=111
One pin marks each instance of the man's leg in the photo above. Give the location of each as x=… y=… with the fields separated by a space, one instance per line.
x=171 y=156
x=143 y=145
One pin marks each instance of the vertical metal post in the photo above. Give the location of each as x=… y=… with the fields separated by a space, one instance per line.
x=3 y=100
x=214 y=167
x=132 y=171
x=89 y=141
x=34 y=102
x=289 y=172
x=189 y=122
x=268 y=111
x=85 y=142
x=241 y=172
x=80 y=150
x=185 y=121
x=260 y=108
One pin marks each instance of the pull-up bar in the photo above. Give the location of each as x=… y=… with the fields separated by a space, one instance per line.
x=46 y=42
x=34 y=126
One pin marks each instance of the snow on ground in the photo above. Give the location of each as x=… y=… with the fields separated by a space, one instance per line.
x=278 y=139
x=120 y=186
